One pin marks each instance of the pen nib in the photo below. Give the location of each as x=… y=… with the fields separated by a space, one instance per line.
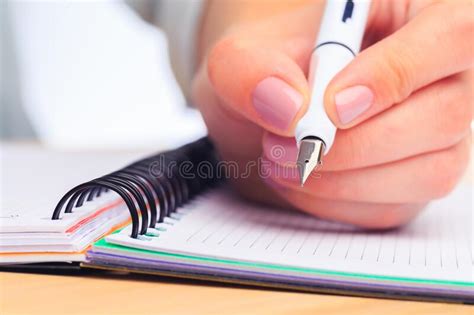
x=309 y=156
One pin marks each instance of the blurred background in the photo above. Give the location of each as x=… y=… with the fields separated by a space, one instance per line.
x=98 y=74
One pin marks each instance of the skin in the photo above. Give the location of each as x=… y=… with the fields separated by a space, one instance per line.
x=411 y=147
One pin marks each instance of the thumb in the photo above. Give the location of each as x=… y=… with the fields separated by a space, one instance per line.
x=260 y=82
x=375 y=80
x=389 y=71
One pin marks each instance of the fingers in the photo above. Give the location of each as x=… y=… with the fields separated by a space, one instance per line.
x=363 y=214
x=434 y=118
x=235 y=137
x=414 y=180
x=260 y=82
x=431 y=46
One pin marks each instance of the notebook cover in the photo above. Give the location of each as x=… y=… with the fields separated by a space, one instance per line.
x=284 y=285
x=51 y=267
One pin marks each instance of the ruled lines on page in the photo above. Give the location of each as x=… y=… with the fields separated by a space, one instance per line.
x=435 y=245
x=435 y=238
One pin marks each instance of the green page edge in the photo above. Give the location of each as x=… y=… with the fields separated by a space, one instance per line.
x=103 y=243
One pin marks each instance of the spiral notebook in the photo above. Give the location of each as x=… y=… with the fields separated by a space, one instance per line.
x=191 y=226
x=33 y=180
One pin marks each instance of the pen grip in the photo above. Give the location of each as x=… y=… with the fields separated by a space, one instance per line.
x=327 y=62
x=339 y=40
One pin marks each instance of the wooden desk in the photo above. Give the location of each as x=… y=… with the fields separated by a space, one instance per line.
x=129 y=294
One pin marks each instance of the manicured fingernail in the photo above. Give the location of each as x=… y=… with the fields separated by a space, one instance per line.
x=280 y=150
x=269 y=169
x=352 y=102
x=276 y=102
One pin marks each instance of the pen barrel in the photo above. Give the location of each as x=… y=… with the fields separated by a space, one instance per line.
x=344 y=23
x=339 y=40
x=326 y=62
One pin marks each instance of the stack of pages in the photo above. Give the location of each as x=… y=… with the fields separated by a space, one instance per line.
x=32 y=182
x=25 y=238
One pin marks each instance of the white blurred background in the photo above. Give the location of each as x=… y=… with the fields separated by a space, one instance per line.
x=97 y=74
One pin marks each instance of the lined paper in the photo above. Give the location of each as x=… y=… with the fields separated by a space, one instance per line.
x=436 y=245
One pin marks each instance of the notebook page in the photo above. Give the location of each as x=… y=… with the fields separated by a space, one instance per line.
x=33 y=180
x=437 y=245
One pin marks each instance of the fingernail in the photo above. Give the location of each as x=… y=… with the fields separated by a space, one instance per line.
x=268 y=169
x=352 y=102
x=280 y=150
x=276 y=102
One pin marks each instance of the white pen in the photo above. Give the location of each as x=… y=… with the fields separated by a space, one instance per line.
x=339 y=40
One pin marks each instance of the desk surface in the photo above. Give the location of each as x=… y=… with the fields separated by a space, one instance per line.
x=131 y=294
x=23 y=293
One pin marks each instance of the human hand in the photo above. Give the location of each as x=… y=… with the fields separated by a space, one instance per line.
x=403 y=106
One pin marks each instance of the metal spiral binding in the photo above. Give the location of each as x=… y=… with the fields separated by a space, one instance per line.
x=151 y=196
